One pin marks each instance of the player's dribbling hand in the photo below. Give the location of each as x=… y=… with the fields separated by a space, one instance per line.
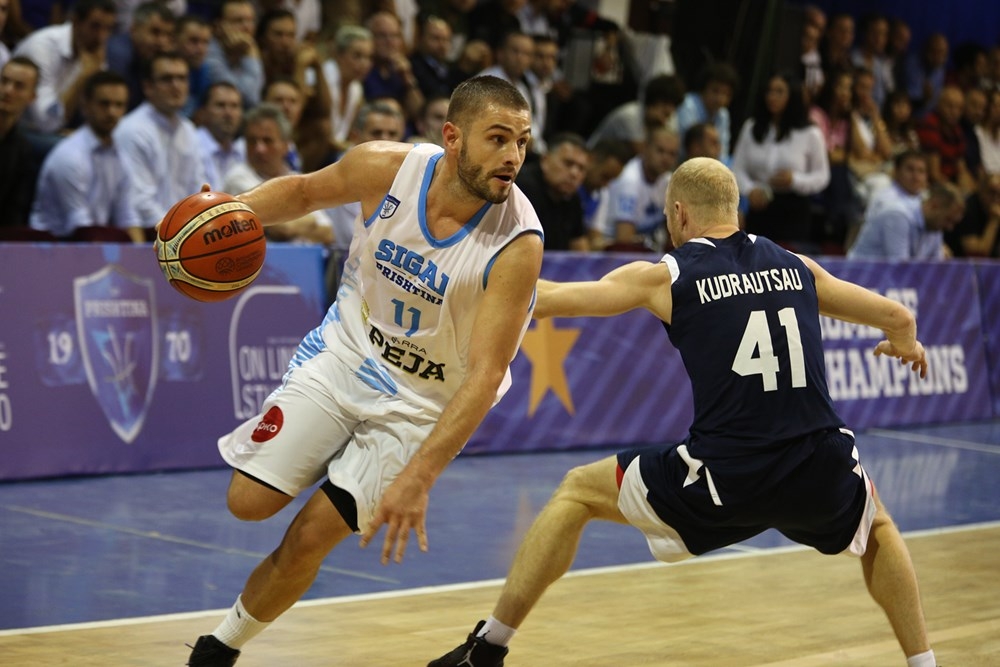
x=403 y=508
x=205 y=187
x=916 y=358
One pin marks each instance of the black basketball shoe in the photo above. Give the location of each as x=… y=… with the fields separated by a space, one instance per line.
x=210 y=652
x=475 y=652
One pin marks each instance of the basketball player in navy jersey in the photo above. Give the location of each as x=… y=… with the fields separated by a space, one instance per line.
x=766 y=449
x=435 y=297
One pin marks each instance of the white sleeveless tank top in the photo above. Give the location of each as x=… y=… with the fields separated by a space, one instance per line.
x=407 y=301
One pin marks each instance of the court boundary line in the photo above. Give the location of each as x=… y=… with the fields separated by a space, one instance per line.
x=927 y=439
x=469 y=585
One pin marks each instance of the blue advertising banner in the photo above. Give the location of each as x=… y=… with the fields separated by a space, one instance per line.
x=106 y=368
x=875 y=391
x=590 y=382
x=988 y=274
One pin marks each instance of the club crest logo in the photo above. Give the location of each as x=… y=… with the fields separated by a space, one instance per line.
x=115 y=323
x=389 y=205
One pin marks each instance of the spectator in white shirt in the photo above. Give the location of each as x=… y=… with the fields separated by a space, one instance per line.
x=779 y=161
x=344 y=72
x=268 y=135
x=988 y=133
x=159 y=145
x=376 y=121
x=629 y=122
x=66 y=55
x=513 y=60
x=636 y=198
x=221 y=116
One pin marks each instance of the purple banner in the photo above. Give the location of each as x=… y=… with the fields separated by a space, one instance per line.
x=106 y=368
x=875 y=391
x=593 y=382
x=590 y=382
x=988 y=274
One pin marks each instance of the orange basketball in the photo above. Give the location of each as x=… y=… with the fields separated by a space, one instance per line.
x=210 y=246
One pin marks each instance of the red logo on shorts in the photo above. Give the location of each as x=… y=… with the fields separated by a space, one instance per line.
x=269 y=425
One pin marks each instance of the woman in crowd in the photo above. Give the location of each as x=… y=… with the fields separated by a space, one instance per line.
x=780 y=161
x=833 y=114
x=897 y=112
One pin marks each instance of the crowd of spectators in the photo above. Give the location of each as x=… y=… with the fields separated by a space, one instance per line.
x=111 y=110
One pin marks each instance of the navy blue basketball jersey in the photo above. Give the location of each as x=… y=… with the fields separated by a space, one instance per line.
x=746 y=322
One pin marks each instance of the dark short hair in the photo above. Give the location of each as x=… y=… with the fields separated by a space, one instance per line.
x=84 y=8
x=147 y=67
x=571 y=138
x=472 y=95
x=909 y=154
x=147 y=10
x=694 y=134
x=189 y=19
x=664 y=88
x=612 y=148
x=719 y=72
x=25 y=61
x=207 y=94
x=102 y=78
x=287 y=80
x=431 y=99
x=224 y=3
x=270 y=17
x=541 y=38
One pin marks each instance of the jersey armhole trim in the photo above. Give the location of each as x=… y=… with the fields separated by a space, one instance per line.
x=489 y=265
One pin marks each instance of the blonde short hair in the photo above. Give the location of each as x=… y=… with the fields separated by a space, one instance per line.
x=706 y=186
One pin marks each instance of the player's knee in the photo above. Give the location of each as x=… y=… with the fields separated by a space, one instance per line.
x=248 y=500
x=577 y=487
x=248 y=510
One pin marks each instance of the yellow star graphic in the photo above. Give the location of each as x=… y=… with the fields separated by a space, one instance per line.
x=547 y=348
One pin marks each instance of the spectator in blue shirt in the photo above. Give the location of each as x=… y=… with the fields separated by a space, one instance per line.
x=904 y=223
x=193 y=35
x=152 y=32
x=83 y=184
x=233 y=54
x=925 y=74
x=710 y=103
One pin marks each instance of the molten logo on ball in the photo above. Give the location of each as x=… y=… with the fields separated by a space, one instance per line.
x=210 y=246
x=234 y=227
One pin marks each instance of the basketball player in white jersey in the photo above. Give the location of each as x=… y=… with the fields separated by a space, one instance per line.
x=436 y=295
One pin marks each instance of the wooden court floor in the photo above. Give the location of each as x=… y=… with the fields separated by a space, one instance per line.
x=778 y=608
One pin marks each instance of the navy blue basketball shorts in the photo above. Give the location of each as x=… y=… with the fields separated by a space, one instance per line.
x=813 y=490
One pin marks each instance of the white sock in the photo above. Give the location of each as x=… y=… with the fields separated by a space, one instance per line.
x=925 y=659
x=496 y=632
x=238 y=627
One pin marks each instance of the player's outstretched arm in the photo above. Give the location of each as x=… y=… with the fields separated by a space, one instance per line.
x=363 y=174
x=852 y=303
x=493 y=344
x=635 y=285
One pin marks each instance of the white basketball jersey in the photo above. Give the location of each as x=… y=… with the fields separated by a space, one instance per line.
x=407 y=301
